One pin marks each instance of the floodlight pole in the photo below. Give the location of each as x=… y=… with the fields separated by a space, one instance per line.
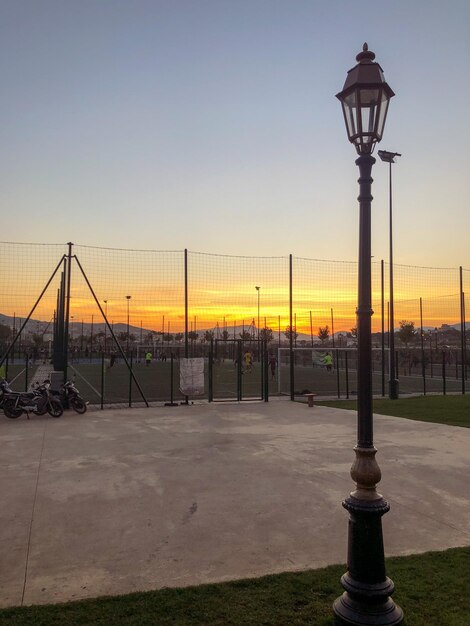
x=389 y=157
x=257 y=289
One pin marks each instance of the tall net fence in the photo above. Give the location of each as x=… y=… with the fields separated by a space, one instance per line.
x=231 y=296
x=151 y=298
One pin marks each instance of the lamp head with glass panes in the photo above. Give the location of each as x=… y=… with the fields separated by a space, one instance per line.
x=365 y=98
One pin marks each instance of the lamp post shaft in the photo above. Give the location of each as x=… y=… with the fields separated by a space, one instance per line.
x=366 y=599
x=364 y=308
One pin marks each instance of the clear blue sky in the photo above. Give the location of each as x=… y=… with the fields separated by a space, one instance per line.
x=212 y=125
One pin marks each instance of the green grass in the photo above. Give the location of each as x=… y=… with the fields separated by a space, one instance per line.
x=450 y=410
x=432 y=588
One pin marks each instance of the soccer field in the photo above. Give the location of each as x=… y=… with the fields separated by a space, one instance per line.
x=117 y=386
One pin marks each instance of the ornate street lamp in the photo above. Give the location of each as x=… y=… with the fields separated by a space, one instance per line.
x=366 y=599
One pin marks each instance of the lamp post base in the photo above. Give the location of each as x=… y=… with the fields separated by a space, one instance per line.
x=350 y=611
x=366 y=600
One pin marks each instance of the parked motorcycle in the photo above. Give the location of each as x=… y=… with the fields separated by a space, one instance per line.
x=69 y=396
x=4 y=388
x=38 y=401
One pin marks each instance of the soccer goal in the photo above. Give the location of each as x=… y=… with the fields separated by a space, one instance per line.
x=313 y=372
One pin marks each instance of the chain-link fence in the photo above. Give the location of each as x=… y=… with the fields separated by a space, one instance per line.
x=122 y=305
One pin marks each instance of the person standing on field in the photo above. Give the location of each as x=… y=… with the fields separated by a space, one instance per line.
x=328 y=362
x=272 y=365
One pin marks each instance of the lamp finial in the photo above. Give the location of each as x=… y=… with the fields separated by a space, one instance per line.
x=366 y=56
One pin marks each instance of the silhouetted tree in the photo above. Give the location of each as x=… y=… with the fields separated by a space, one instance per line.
x=266 y=334
x=291 y=331
x=323 y=333
x=406 y=332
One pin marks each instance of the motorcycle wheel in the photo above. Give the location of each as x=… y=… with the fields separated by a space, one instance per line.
x=54 y=408
x=11 y=410
x=78 y=405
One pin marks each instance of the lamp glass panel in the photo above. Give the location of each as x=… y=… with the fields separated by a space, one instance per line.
x=382 y=114
x=350 y=114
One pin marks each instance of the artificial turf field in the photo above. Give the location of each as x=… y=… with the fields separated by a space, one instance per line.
x=155 y=381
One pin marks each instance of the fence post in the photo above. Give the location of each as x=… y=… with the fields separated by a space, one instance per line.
x=130 y=381
x=291 y=349
x=211 y=371
x=443 y=373
x=464 y=336
x=26 y=372
x=186 y=307
x=102 y=380
x=67 y=310
x=336 y=353
x=382 y=287
x=462 y=329
x=266 y=374
x=239 y=370
x=423 y=368
x=347 y=373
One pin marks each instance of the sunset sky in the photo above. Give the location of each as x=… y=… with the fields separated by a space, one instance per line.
x=212 y=125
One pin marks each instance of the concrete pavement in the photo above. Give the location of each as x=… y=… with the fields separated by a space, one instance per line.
x=123 y=500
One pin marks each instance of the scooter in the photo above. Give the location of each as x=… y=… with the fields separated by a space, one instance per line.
x=38 y=401
x=4 y=389
x=69 y=396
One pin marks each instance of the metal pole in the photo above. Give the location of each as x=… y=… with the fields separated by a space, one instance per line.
x=393 y=382
x=186 y=319
x=423 y=368
x=462 y=329
x=171 y=402
x=430 y=355
x=291 y=348
x=91 y=338
x=336 y=362
x=186 y=312
x=332 y=328
x=102 y=380
x=464 y=335
x=13 y=333
x=444 y=373
x=130 y=382
x=211 y=371
x=128 y=319
x=258 y=290
x=67 y=309
x=106 y=314
x=367 y=588
x=311 y=329
x=382 y=289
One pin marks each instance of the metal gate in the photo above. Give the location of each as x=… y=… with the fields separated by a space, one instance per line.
x=238 y=370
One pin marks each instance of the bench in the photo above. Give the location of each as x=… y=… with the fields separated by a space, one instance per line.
x=310 y=397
